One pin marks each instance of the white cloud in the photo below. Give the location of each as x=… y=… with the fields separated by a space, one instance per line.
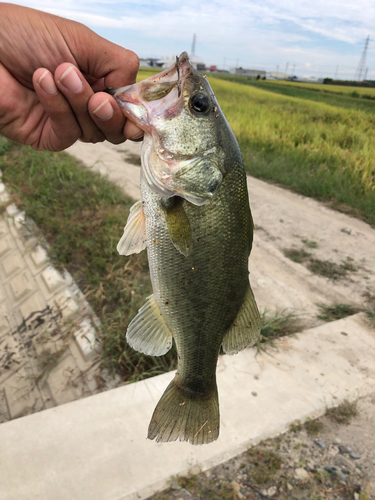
x=258 y=31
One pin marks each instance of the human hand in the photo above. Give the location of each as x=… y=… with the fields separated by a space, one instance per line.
x=50 y=69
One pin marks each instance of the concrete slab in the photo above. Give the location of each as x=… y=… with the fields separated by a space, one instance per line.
x=96 y=448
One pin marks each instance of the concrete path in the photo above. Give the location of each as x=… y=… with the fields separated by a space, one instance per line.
x=96 y=448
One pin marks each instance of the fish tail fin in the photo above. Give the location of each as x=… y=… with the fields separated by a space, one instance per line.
x=186 y=417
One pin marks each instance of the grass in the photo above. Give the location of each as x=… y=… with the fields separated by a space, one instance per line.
x=310 y=92
x=296 y=255
x=310 y=243
x=318 y=150
x=335 y=312
x=312 y=427
x=344 y=413
x=326 y=268
x=278 y=324
x=82 y=216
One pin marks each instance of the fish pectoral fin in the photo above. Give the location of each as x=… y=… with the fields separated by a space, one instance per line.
x=147 y=332
x=245 y=330
x=134 y=238
x=178 y=225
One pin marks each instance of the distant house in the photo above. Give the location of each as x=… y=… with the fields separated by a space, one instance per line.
x=254 y=73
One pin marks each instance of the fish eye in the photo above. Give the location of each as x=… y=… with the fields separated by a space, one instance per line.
x=200 y=102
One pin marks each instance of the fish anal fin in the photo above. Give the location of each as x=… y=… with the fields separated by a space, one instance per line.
x=178 y=225
x=134 y=239
x=185 y=417
x=245 y=330
x=147 y=332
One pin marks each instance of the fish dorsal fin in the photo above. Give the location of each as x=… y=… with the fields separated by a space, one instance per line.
x=148 y=332
x=134 y=238
x=178 y=224
x=245 y=330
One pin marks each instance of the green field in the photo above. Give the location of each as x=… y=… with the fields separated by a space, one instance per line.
x=318 y=144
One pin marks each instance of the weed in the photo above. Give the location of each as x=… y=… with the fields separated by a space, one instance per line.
x=296 y=426
x=370 y=307
x=133 y=159
x=313 y=427
x=310 y=243
x=187 y=481
x=266 y=464
x=296 y=255
x=326 y=268
x=278 y=324
x=337 y=311
x=343 y=413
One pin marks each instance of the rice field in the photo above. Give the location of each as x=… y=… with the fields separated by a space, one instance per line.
x=325 y=150
x=322 y=87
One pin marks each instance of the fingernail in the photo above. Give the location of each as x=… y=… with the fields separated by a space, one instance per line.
x=47 y=83
x=104 y=111
x=71 y=80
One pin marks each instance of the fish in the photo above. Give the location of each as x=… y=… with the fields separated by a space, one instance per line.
x=194 y=219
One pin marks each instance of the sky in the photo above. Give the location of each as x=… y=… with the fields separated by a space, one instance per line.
x=321 y=38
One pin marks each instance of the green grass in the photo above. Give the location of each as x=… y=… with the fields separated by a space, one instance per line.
x=278 y=324
x=309 y=92
x=335 y=312
x=318 y=150
x=82 y=216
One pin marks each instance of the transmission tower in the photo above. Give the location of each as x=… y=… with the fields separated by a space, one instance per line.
x=362 y=63
x=193 y=45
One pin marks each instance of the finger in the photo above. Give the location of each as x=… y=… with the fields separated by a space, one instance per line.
x=78 y=92
x=108 y=117
x=61 y=129
x=132 y=131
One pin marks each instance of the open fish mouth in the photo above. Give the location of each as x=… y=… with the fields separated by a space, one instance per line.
x=159 y=95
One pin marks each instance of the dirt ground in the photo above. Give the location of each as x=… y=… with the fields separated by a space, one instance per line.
x=320 y=460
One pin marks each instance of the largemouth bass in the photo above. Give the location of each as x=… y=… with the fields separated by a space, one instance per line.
x=195 y=220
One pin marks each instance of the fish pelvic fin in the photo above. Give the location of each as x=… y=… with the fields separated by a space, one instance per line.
x=147 y=332
x=134 y=239
x=178 y=225
x=184 y=416
x=245 y=330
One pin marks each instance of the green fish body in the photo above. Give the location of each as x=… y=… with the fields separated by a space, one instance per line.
x=195 y=220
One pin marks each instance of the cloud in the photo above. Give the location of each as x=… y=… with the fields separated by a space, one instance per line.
x=256 y=32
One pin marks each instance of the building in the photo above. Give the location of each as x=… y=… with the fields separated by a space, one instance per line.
x=253 y=73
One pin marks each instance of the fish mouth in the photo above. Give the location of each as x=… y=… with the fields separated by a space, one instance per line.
x=160 y=95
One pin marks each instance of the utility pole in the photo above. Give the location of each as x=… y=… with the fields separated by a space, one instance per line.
x=193 y=45
x=365 y=78
x=337 y=68
x=362 y=63
x=286 y=68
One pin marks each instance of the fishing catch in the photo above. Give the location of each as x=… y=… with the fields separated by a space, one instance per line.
x=195 y=221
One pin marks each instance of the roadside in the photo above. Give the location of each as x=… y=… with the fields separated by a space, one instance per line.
x=332 y=457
